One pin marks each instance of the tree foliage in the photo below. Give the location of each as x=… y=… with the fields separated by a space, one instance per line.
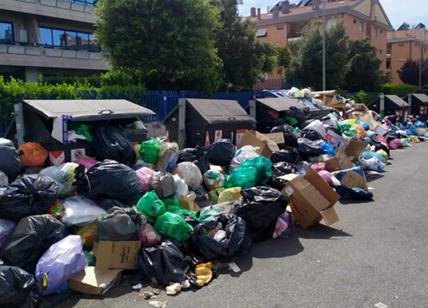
x=409 y=73
x=170 y=43
x=244 y=58
x=306 y=57
x=363 y=67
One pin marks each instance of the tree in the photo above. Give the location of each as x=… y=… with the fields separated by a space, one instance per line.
x=306 y=57
x=244 y=58
x=409 y=73
x=283 y=58
x=364 y=73
x=170 y=43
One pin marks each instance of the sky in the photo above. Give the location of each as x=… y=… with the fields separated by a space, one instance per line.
x=398 y=11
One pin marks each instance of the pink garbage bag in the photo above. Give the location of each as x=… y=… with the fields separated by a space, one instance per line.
x=395 y=144
x=145 y=174
x=85 y=161
x=148 y=236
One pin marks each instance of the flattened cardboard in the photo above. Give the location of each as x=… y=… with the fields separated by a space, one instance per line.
x=94 y=281
x=266 y=146
x=345 y=161
x=353 y=179
x=117 y=255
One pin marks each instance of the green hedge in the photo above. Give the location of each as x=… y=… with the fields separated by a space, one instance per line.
x=15 y=91
x=401 y=90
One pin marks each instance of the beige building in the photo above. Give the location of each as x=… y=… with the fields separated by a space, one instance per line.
x=403 y=45
x=286 y=22
x=48 y=37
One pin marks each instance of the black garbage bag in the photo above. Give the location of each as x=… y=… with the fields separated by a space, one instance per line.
x=221 y=153
x=164 y=184
x=28 y=195
x=120 y=225
x=353 y=194
x=290 y=139
x=110 y=143
x=260 y=208
x=17 y=288
x=190 y=154
x=10 y=163
x=107 y=204
x=277 y=183
x=112 y=180
x=283 y=168
x=298 y=114
x=32 y=237
x=288 y=155
x=164 y=263
x=225 y=237
x=310 y=134
x=197 y=156
x=309 y=148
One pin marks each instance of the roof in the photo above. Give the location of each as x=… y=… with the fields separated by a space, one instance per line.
x=281 y=104
x=217 y=111
x=302 y=13
x=408 y=35
x=88 y=110
x=397 y=101
x=421 y=97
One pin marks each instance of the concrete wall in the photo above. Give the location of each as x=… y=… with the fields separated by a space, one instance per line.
x=275 y=34
x=60 y=9
x=400 y=53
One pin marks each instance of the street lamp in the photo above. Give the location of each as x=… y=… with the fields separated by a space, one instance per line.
x=324 y=22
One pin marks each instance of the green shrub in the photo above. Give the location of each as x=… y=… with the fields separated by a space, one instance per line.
x=363 y=97
x=401 y=90
x=15 y=91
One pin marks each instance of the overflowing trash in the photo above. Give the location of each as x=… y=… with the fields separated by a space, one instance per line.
x=172 y=215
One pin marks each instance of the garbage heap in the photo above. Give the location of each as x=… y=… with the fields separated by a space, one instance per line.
x=175 y=215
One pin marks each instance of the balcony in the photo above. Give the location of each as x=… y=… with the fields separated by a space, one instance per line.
x=41 y=57
x=75 y=10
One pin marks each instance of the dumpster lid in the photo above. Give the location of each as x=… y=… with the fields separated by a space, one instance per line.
x=281 y=104
x=88 y=110
x=215 y=111
x=423 y=98
x=397 y=101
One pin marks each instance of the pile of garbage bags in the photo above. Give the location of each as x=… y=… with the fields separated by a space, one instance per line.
x=168 y=213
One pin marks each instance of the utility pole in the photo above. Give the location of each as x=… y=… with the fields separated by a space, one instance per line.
x=324 y=23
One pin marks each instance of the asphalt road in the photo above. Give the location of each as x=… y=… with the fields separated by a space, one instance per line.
x=377 y=253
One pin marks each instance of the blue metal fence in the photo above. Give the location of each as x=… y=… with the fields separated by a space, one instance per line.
x=163 y=102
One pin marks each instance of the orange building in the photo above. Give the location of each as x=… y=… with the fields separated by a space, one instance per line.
x=403 y=45
x=285 y=22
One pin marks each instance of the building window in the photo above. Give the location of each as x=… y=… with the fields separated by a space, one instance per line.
x=51 y=37
x=380 y=50
x=261 y=33
x=280 y=27
x=361 y=26
x=6 y=32
x=355 y=21
x=401 y=45
x=381 y=31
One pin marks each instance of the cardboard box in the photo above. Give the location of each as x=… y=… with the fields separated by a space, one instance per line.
x=117 y=255
x=355 y=148
x=332 y=165
x=344 y=160
x=94 y=281
x=311 y=199
x=352 y=178
x=278 y=138
x=266 y=146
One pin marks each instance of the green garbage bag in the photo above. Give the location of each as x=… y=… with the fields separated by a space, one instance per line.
x=81 y=129
x=244 y=177
x=150 y=151
x=151 y=206
x=263 y=166
x=291 y=120
x=173 y=205
x=173 y=226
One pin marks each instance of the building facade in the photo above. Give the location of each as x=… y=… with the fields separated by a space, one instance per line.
x=403 y=45
x=48 y=37
x=286 y=22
